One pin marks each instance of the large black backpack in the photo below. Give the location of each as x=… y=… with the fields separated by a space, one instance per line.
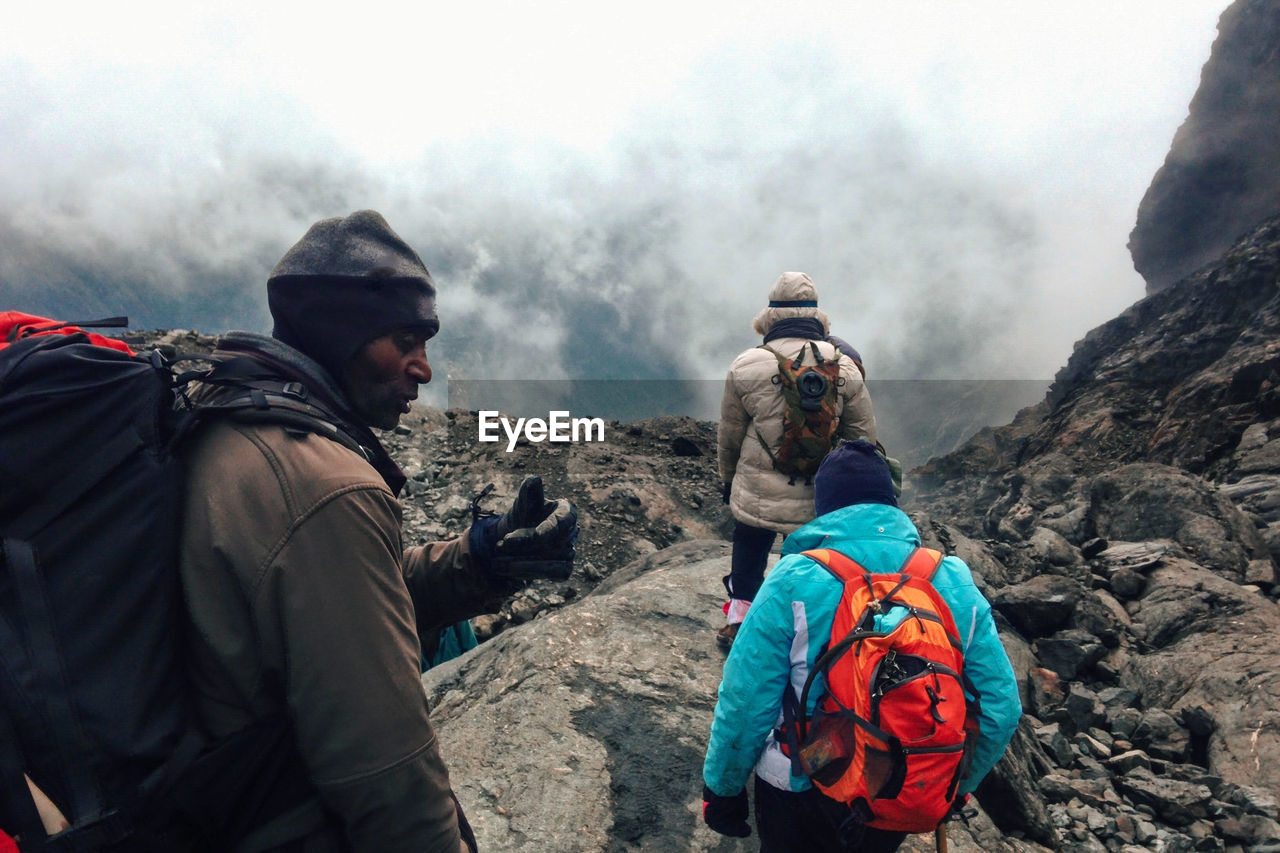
x=93 y=697
x=89 y=600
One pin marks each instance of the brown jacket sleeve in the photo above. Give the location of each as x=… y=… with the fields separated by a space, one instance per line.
x=336 y=601
x=446 y=586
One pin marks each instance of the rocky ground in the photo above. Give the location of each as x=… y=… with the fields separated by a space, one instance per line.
x=584 y=731
x=647 y=486
x=1126 y=531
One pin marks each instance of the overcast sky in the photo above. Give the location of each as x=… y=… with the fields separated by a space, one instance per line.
x=605 y=189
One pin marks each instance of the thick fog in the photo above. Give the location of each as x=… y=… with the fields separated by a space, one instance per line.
x=958 y=179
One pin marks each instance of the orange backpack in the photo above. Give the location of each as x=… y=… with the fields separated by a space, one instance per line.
x=893 y=734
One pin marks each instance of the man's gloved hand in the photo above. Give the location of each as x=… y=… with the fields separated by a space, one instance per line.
x=533 y=539
x=728 y=490
x=726 y=815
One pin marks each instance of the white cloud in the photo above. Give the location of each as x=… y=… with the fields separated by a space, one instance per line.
x=985 y=158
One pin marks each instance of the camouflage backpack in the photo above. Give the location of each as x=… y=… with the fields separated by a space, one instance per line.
x=812 y=396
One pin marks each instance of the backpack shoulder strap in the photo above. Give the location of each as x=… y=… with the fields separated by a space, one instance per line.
x=782 y=359
x=49 y=679
x=790 y=363
x=922 y=563
x=255 y=395
x=278 y=406
x=840 y=565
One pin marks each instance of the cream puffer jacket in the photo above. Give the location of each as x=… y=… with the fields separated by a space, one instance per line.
x=761 y=496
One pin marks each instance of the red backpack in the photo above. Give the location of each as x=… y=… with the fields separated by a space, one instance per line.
x=16 y=326
x=893 y=734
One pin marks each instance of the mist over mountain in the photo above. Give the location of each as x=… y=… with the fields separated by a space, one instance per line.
x=1126 y=528
x=648 y=270
x=645 y=259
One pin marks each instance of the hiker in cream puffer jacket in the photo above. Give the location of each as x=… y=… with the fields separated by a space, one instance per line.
x=764 y=501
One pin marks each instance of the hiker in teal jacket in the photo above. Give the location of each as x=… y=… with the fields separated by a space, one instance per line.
x=788 y=626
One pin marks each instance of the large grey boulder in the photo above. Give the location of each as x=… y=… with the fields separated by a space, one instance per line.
x=585 y=729
x=1039 y=606
x=1147 y=501
x=1215 y=649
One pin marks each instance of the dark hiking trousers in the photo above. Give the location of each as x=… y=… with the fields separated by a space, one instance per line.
x=750 y=556
x=810 y=822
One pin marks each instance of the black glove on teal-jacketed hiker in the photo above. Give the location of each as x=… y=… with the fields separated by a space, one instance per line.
x=726 y=815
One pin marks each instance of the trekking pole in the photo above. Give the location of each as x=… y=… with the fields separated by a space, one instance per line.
x=940 y=838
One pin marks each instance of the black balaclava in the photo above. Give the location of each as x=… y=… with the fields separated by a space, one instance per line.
x=347 y=281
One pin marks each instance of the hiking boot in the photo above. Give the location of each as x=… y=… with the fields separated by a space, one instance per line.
x=726 y=635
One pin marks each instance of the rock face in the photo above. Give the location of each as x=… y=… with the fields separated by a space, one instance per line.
x=1222 y=174
x=1125 y=530
x=584 y=730
x=1188 y=378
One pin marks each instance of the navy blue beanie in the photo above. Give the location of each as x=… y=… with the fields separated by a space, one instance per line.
x=853 y=473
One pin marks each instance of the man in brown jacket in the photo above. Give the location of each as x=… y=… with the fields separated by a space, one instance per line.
x=304 y=602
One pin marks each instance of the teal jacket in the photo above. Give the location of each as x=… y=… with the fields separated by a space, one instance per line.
x=789 y=623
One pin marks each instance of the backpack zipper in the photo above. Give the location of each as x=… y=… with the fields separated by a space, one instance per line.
x=890 y=659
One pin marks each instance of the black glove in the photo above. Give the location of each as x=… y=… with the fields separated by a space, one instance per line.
x=959 y=809
x=726 y=815
x=728 y=490
x=533 y=539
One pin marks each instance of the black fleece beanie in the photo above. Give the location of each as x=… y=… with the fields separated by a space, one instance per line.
x=347 y=281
